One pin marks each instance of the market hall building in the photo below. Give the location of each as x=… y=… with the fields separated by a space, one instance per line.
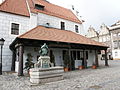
x=28 y=24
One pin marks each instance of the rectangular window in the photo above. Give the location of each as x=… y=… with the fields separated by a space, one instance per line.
x=76 y=29
x=116 y=53
x=119 y=43
x=62 y=25
x=115 y=44
x=15 y=29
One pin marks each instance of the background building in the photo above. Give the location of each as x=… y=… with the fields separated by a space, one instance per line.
x=92 y=34
x=102 y=36
x=27 y=24
x=115 y=40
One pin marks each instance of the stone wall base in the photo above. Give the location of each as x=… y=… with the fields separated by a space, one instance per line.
x=45 y=75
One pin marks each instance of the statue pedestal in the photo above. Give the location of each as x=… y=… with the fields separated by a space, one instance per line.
x=44 y=75
x=45 y=61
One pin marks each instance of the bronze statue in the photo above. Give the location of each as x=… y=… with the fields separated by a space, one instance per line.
x=44 y=50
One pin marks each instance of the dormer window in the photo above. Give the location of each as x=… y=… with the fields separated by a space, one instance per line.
x=39 y=7
x=62 y=25
x=76 y=29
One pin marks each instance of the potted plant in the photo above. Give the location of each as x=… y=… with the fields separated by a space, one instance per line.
x=29 y=64
x=81 y=67
x=66 y=62
x=94 y=66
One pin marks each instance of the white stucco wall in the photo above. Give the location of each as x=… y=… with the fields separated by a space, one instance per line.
x=58 y=57
x=33 y=21
x=5 y=29
x=91 y=58
x=116 y=54
x=42 y=19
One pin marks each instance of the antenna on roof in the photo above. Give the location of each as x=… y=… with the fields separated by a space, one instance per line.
x=73 y=7
x=77 y=13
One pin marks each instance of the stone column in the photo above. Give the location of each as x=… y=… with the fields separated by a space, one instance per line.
x=13 y=60
x=96 y=58
x=85 y=61
x=106 y=60
x=20 y=58
x=70 y=59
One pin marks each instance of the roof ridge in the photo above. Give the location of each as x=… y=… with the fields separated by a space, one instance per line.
x=43 y=33
x=54 y=4
x=51 y=10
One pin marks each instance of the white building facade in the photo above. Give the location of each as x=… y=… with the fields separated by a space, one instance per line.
x=27 y=16
x=115 y=40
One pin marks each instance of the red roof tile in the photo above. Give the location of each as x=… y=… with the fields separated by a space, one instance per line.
x=52 y=34
x=53 y=10
x=18 y=7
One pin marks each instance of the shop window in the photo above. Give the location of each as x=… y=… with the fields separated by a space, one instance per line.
x=81 y=55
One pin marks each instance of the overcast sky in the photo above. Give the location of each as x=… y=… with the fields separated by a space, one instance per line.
x=94 y=12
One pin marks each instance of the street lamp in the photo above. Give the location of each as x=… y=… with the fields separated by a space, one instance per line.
x=1 y=44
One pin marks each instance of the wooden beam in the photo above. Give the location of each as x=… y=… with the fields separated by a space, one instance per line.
x=106 y=60
x=70 y=58
x=20 y=57
x=96 y=58
x=84 y=59
x=13 y=60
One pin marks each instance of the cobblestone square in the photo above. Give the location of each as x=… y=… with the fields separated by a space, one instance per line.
x=103 y=78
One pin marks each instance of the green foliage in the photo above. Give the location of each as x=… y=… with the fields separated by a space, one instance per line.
x=66 y=59
x=29 y=64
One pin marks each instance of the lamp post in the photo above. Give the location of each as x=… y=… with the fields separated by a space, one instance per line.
x=1 y=44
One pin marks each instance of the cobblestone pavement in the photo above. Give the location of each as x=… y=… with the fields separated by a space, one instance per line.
x=103 y=78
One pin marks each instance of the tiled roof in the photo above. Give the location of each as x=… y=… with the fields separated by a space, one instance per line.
x=53 y=10
x=18 y=7
x=52 y=34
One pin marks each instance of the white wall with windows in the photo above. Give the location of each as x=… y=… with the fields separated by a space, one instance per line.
x=55 y=22
x=116 y=54
x=5 y=29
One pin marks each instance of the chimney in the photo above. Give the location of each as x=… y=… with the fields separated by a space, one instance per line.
x=1 y=1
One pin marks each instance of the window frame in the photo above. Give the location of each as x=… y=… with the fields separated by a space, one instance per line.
x=10 y=29
x=39 y=7
x=76 y=29
x=62 y=25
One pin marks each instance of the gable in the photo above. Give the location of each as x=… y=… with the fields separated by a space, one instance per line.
x=53 y=10
x=18 y=7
